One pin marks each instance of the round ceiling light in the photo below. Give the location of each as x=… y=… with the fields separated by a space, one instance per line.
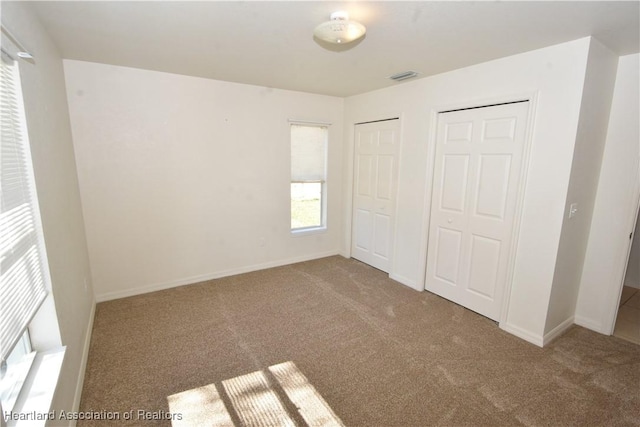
x=339 y=29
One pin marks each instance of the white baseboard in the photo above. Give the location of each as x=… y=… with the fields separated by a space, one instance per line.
x=536 y=339
x=522 y=333
x=85 y=358
x=590 y=324
x=202 y=278
x=557 y=331
x=405 y=281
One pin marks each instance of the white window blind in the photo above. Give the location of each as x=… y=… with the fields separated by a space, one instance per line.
x=22 y=285
x=308 y=153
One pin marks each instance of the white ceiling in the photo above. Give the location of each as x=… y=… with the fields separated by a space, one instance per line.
x=270 y=43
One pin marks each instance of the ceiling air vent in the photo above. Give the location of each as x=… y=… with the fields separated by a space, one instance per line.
x=403 y=75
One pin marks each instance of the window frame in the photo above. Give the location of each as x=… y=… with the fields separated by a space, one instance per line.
x=15 y=367
x=35 y=355
x=298 y=231
x=28 y=187
x=323 y=196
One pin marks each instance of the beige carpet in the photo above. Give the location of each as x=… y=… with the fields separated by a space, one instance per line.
x=376 y=352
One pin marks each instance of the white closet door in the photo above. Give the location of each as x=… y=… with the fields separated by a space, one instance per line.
x=476 y=180
x=374 y=194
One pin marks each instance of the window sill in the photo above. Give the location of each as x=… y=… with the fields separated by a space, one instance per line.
x=34 y=402
x=307 y=231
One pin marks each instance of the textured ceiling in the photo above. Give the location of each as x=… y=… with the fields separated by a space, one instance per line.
x=271 y=43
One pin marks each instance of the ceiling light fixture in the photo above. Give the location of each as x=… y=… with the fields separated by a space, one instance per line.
x=339 y=29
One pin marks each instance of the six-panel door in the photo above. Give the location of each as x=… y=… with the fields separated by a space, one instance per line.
x=478 y=161
x=374 y=193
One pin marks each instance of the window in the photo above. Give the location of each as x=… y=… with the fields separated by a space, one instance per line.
x=308 y=176
x=22 y=276
x=14 y=372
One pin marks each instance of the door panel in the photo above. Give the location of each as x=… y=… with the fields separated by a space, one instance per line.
x=485 y=260
x=492 y=185
x=448 y=244
x=454 y=182
x=362 y=238
x=388 y=138
x=385 y=178
x=374 y=199
x=382 y=232
x=458 y=132
x=366 y=140
x=476 y=178
x=364 y=175
x=503 y=129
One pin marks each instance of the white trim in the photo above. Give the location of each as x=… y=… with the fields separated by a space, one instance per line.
x=348 y=228
x=108 y=296
x=30 y=292
x=532 y=99
x=37 y=393
x=83 y=361
x=557 y=331
x=324 y=192
x=349 y=164
x=306 y=231
x=485 y=101
x=588 y=323
x=428 y=197
x=377 y=121
x=309 y=123
x=394 y=251
x=614 y=304
x=522 y=333
x=405 y=281
x=13 y=39
x=376 y=117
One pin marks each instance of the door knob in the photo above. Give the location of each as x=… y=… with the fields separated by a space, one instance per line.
x=449 y=220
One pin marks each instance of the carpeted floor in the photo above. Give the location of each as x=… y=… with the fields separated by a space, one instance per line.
x=379 y=354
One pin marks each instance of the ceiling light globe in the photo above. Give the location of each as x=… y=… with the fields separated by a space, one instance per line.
x=339 y=29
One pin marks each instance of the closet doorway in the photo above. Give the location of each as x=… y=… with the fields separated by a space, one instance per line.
x=628 y=319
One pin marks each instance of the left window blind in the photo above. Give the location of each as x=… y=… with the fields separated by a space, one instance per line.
x=22 y=275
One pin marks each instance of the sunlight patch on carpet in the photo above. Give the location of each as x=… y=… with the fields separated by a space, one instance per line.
x=199 y=406
x=313 y=408
x=256 y=400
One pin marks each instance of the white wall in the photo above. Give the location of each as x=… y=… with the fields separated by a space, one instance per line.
x=58 y=196
x=616 y=205
x=556 y=75
x=583 y=184
x=185 y=179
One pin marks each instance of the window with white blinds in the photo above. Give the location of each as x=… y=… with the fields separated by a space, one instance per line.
x=308 y=175
x=22 y=277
